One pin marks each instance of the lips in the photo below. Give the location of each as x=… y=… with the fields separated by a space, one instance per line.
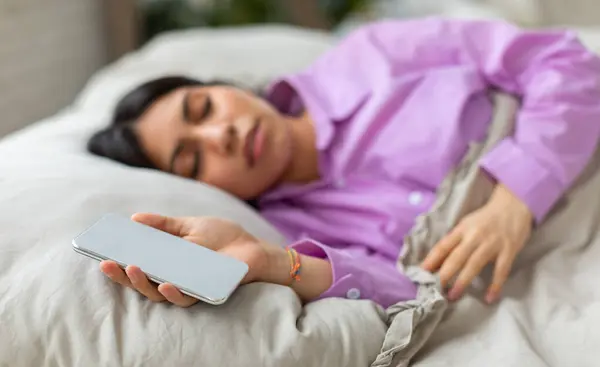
x=251 y=145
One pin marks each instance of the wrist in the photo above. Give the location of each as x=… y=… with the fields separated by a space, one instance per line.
x=277 y=267
x=504 y=197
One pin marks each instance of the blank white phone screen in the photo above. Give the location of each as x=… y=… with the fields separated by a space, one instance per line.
x=194 y=269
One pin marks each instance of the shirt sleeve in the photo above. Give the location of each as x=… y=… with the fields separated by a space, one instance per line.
x=555 y=76
x=360 y=275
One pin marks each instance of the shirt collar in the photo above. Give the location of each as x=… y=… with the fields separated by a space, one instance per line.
x=290 y=95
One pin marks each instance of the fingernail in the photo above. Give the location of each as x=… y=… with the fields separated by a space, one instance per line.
x=454 y=293
x=491 y=297
x=169 y=291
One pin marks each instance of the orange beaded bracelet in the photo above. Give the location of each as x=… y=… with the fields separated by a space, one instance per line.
x=294 y=264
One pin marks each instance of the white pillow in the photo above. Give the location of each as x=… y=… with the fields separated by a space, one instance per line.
x=54 y=149
x=57 y=309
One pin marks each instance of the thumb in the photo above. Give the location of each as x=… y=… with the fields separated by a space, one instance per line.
x=163 y=223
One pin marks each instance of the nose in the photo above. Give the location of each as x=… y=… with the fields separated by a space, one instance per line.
x=217 y=137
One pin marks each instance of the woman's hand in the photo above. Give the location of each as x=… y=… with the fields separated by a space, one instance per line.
x=494 y=233
x=217 y=234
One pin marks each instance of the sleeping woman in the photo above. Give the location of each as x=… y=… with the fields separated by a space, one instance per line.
x=342 y=156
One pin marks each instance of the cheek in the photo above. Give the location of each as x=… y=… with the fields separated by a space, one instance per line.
x=278 y=149
x=229 y=176
x=218 y=172
x=238 y=180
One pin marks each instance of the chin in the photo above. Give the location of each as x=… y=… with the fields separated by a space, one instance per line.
x=260 y=183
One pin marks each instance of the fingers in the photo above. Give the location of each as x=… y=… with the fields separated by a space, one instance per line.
x=141 y=283
x=112 y=270
x=133 y=277
x=174 y=296
x=475 y=264
x=501 y=273
x=441 y=250
x=174 y=226
x=457 y=259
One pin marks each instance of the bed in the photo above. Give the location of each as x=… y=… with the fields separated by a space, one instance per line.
x=56 y=309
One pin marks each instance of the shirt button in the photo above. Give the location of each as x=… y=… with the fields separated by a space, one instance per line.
x=339 y=183
x=353 y=293
x=415 y=198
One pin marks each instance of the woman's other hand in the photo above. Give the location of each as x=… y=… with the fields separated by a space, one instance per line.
x=494 y=233
x=216 y=234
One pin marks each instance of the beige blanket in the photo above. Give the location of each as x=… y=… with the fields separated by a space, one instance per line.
x=549 y=312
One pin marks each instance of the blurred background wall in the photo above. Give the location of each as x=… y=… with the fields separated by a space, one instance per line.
x=47 y=51
x=50 y=48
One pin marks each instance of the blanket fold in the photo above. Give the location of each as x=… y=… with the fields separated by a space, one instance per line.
x=463 y=190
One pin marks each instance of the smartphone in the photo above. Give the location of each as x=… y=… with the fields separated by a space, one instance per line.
x=195 y=270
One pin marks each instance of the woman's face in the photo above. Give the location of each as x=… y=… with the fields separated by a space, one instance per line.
x=220 y=135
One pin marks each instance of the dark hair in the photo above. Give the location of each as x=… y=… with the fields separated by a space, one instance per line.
x=119 y=141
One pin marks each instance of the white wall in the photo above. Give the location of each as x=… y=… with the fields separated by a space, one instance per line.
x=581 y=13
x=526 y=12
x=48 y=49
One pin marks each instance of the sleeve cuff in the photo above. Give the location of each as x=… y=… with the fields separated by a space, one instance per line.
x=358 y=277
x=524 y=176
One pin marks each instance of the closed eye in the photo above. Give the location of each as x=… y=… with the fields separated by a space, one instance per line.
x=192 y=112
x=196 y=167
x=207 y=109
x=182 y=165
